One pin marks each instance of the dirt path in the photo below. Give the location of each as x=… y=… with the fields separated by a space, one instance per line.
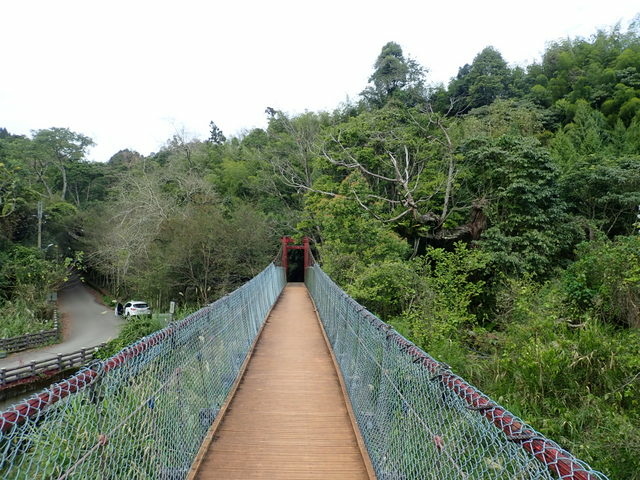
x=87 y=323
x=288 y=419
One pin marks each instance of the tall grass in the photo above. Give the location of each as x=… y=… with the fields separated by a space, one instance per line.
x=19 y=317
x=576 y=379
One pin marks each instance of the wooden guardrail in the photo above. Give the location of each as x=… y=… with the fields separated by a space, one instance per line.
x=48 y=366
x=31 y=340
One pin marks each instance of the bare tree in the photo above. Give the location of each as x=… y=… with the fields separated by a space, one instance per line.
x=293 y=164
x=399 y=179
x=122 y=238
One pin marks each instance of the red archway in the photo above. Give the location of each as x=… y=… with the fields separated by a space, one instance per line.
x=288 y=243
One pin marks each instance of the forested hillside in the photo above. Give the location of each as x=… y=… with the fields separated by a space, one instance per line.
x=492 y=220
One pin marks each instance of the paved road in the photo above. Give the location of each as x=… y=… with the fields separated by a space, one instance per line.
x=87 y=324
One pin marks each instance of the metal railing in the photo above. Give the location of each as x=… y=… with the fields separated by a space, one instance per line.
x=142 y=414
x=418 y=419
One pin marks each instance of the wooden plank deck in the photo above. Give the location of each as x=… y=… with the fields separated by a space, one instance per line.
x=288 y=418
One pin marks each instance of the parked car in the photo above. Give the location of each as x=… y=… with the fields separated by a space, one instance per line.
x=135 y=307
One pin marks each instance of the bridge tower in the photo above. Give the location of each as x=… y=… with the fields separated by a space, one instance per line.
x=288 y=244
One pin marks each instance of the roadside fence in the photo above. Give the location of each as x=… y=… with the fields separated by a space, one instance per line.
x=32 y=340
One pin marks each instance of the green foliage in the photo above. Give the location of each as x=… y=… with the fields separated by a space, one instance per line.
x=209 y=254
x=588 y=131
x=216 y=136
x=136 y=327
x=605 y=279
x=54 y=151
x=26 y=278
x=576 y=382
x=487 y=78
x=185 y=226
x=601 y=71
x=400 y=167
x=351 y=240
x=13 y=193
x=604 y=194
x=20 y=317
x=444 y=294
x=26 y=273
x=528 y=226
x=62 y=143
x=388 y=288
x=395 y=77
x=506 y=117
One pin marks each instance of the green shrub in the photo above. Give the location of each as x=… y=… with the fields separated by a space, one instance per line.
x=441 y=308
x=136 y=327
x=19 y=317
x=26 y=278
x=605 y=279
x=570 y=375
x=386 y=288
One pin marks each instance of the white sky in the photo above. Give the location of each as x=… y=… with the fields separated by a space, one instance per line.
x=131 y=73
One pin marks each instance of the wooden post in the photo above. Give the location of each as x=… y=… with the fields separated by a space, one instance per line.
x=33 y=368
x=56 y=324
x=59 y=356
x=3 y=376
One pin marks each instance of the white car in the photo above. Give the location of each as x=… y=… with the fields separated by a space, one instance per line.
x=135 y=307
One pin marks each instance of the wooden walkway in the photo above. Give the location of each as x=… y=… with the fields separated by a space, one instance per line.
x=288 y=418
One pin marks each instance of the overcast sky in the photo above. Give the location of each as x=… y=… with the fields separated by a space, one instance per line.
x=129 y=74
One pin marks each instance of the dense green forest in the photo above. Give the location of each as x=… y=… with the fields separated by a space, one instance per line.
x=493 y=221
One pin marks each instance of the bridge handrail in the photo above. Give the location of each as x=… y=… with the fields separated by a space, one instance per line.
x=147 y=408
x=61 y=361
x=369 y=351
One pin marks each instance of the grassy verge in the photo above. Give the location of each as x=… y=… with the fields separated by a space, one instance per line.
x=17 y=318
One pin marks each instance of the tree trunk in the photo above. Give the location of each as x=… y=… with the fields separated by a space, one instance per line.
x=63 y=171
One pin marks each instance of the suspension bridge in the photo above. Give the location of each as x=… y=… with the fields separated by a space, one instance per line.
x=276 y=381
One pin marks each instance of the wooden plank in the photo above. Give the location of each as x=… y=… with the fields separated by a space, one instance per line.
x=343 y=386
x=288 y=418
x=195 y=466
